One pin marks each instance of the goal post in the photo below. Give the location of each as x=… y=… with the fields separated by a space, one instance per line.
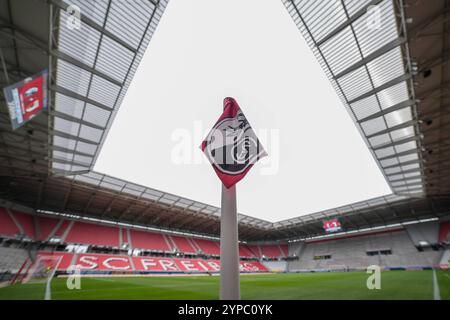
x=42 y=271
x=338 y=268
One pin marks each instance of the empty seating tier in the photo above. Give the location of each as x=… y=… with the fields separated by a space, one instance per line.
x=149 y=240
x=26 y=223
x=43 y=228
x=208 y=246
x=444 y=231
x=183 y=244
x=87 y=233
x=7 y=225
x=244 y=251
x=271 y=251
x=46 y=227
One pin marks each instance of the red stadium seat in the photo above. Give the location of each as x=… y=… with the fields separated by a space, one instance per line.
x=26 y=223
x=109 y=262
x=253 y=266
x=197 y=265
x=284 y=249
x=65 y=262
x=271 y=251
x=155 y=264
x=183 y=244
x=244 y=251
x=88 y=233
x=125 y=235
x=444 y=231
x=148 y=240
x=62 y=228
x=46 y=226
x=208 y=246
x=256 y=250
x=7 y=225
x=104 y=262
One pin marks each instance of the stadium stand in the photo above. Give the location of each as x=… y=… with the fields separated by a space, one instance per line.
x=398 y=247
x=275 y=266
x=183 y=245
x=63 y=229
x=154 y=264
x=267 y=250
x=444 y=232
x=284 y=249
x=271 y=251
x=149 y=241
x=123 y=236
x=255 y=249
x=390 y=249
x=77 y=232
x=89 y=233
x=208 y=246
x=104 y=262
x=24 y=222
x=108 y=262
x=445 y=260
x=67 y=259
x=424 y=232
x=253 y=266
x=7 y=226
x=296 y=248
x=11 y=259
x=245 y=252
x=45 y=227
x=197 y=265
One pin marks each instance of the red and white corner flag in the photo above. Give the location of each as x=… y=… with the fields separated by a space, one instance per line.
x=232 y=146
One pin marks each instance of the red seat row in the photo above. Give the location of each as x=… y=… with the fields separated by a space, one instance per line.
x=105 y=262
x=444 y=232
x=43 y=228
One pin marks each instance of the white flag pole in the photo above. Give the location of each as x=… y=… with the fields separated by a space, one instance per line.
x=229 y=246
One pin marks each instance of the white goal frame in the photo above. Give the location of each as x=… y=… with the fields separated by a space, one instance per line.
x=32 y=270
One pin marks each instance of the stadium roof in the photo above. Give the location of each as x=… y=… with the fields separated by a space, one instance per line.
x=365 y=57
x=393 y=80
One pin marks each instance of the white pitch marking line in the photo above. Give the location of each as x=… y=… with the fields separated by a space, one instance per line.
x=436 y=292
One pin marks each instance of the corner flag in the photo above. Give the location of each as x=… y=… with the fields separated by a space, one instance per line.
x=232 y=146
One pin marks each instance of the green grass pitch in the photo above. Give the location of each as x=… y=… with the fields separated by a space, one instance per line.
x=336 y=285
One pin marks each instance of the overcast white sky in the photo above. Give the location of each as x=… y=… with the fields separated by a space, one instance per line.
x=205 y=50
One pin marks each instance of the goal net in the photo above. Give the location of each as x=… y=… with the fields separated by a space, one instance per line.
x=338 y=268
x=41 y=273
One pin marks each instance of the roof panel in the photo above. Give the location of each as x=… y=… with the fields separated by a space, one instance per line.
x=94 y=9
x=80 y=44
x=365 y=63
x=103 y=55
x=113 y=59
x=372 y=38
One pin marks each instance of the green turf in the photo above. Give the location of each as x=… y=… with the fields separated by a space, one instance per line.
x=443 y=278
x=350 y=285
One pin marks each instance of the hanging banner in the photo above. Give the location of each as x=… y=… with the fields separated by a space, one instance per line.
x=26 y=99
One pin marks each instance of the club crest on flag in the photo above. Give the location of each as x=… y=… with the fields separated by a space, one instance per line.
x=232 y=146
